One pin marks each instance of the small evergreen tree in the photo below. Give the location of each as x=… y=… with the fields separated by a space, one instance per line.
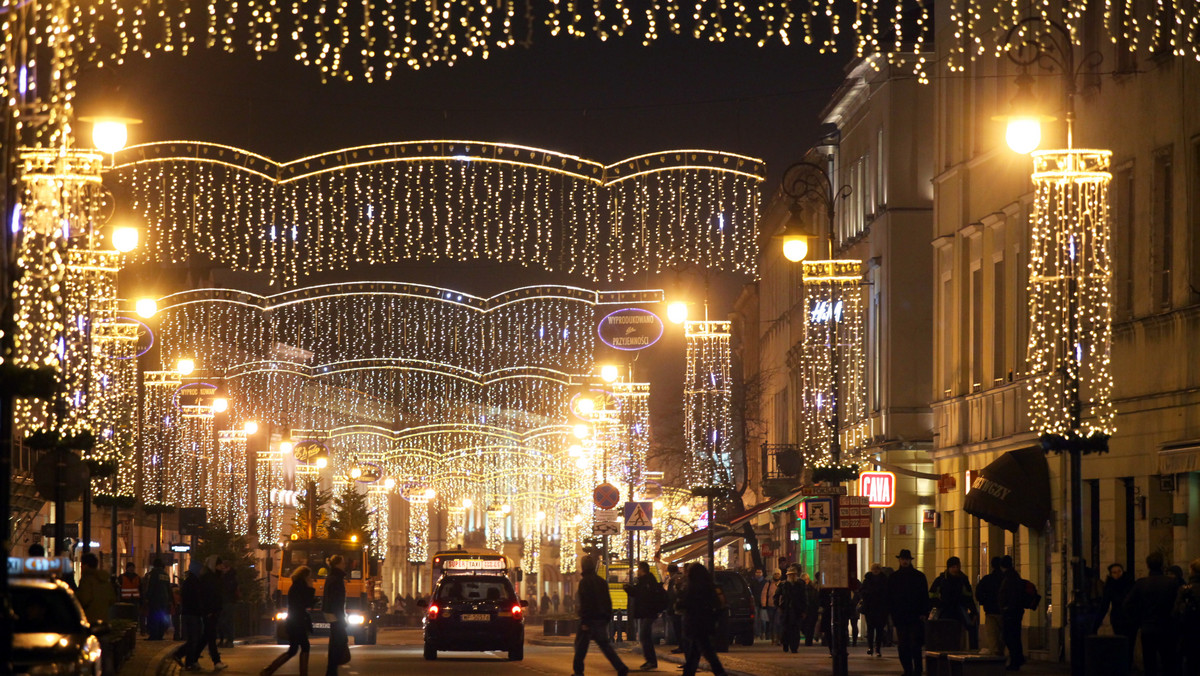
x=235 y=550
x=350 y=516
x=305 y=504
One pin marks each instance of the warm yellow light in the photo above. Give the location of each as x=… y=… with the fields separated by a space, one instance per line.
x=355 y=472
x=574 y=450
x=609 y=373
x=125 y=238
x=109 y=135
x=658 y=505
x=581 y=463
x=1023 y=134
x=585 y=405
x=251 y=427
x=220 y=405
x=677 y=312
x=185 y=366
x=684 y=510
x=468 y=503
x=795 y=249
x=322 y=462
x=430 y=494
x=389 y=483
x=506 y=508
x=581 y=431
x=541 y=515
x=578 y=518
x=285 y=447
x=354 y=538
x=146 y=307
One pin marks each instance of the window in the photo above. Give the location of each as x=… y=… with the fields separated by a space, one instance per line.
x=999 y=318
x=1164 y=216
x=976 y=327
x=881 y=172
x=1123 y=240
x=1194 y=200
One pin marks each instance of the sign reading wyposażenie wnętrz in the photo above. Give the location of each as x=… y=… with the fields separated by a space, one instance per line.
x=630 y=329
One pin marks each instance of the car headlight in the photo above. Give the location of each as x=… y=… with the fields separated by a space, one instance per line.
x=281 y=615
x=355 y=618
x=91 y=649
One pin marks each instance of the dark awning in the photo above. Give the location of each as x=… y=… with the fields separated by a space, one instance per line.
x=1013 y=491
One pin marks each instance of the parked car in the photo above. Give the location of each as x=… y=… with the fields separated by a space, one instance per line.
x=51 y=635
x=736 y=623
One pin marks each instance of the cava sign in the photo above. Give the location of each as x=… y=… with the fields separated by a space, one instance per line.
x=878 y=487
x=630 y=329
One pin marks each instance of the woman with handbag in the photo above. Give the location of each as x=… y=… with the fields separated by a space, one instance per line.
x=298 y=625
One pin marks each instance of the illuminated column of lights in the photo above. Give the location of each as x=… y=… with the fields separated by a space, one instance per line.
x=495 y=526
x=418 y=526
x=196 y=451
x=269 y=487
x=116 y=380
x=832 y=350
x=707 y=417
x=633 y=416
x=230 y=485
x=1070 y=294
x=379 y=507
x=162 y=470
x=531 y=559
x=454 y=525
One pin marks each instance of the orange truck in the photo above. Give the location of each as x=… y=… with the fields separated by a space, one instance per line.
x=315 y=554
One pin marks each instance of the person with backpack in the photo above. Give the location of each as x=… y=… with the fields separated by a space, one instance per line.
x=1013 y=601
x=595 y=612
x=908 y=602
x=701 y=604
x=1186 y=614
x=1150 y=603
x=649 y=599
x=951 y=595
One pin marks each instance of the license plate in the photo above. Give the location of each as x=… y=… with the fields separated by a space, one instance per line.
x=476 y=617
x=320 y=625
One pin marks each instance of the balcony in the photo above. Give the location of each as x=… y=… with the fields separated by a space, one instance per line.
x=782 y=465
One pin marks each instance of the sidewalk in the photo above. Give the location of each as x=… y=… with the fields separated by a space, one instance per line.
x=149 y=658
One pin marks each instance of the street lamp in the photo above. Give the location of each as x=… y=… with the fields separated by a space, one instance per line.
x=125 y=238
x=609 y=372
x=185 y=366
x=677 y=312
x=251 y=427
x=146 y=307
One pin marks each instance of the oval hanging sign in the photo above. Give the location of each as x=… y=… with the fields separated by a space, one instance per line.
x=630 y=329
x=307 y=451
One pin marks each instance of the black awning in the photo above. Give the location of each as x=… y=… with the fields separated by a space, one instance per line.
x=1013 y=491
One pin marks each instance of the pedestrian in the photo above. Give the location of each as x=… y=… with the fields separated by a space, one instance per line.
x=333 y=604
x=674 y=586
x=298 y=624
x=908 y=603
x=792 y=602
x=952 y=599
x=211 y=604
x=767 y=608
x=874 y=595
x=853 y=610
x=156 y=590
x=647 y=601
x=701 y=604
x=229 y=599
x=555 y=602
x=191 y=615
x=595 y=612
x=176 y=612
x=545 y=603
x=36 y=549
x=812 y=608
x=1012 y=598
x=757 y=582
x=987 y=593
x=1186 y=614
x=130 y=584
x=95 y=591
x=1150 y=603
x=1112 y=604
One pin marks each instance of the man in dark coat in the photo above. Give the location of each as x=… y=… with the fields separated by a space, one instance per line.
x=333 y=604
x=875 y=608
x=1112 y=603
x=674 y=588
x=812 y=608
x=595 y=612
x=792 y=603
x=191 y=616
x=157 y=593
x=951 y=595
x=210 y=584
x=1012 y=611
x=644 y=596
x=1149 y=604
x=987 y=592
x=908 y=602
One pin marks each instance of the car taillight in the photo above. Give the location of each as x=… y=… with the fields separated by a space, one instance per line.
x=433 y=612
x=516 y=610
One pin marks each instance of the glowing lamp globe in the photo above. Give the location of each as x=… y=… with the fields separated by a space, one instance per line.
x=685 y=510
x=109 y=136
x=430 y=494
x=251 y=427
x=585 y=405
x=285 y=447
x=1023 y=134
x=220 y=405
x=146 y=307
x=506 y=508
x=541 y=515
x=795 y=249
x=468 y=503
x=658 y=505
x=609 y=373
x=125 y=238
x=677 y=312
x=574 y=451
x=355 y=472
x=581 y=431
x=581 y=463
x=322 y=462
x=389 y=483
x=185 y=366
x=354 y=538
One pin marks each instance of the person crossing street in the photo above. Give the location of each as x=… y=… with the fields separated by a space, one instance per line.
x=908 y=602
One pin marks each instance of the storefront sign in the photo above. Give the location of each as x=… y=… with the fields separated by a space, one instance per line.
x=630 y=329
x=880 y=487
x=307 y=451
x=854 y=517
x=196 y=394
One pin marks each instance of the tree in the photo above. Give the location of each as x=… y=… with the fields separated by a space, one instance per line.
x=235 y=550
x=350 y=515
x=312 y=501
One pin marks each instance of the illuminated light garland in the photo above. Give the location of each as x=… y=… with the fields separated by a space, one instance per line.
x=161 y=448
x=707 y=416
x=418 y=527
x=269 y=502
x=227 y=496
x=835 y=305
x=443 y=200
x=1070 y=294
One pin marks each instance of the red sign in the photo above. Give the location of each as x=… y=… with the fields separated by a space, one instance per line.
x=880 y=487
x=606 y=496
x=802 y=510
x=854 y=517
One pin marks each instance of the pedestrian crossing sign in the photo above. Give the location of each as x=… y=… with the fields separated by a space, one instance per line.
x=639 y=516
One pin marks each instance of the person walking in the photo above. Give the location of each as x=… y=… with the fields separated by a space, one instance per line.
x=595 y=612
x=1150 y=603
x=700 y=607
x=229 y=599
x=908 y=603
x=757 y=582
x=210 y=603
x=1112 y=604
x=812 y=608
x=791 y=600
x=156 y=589
x=767 y=608
x=1186 y=614
x=951 y=596
x=95 y=590
x=647 y=604
x=333 y=604
x=987 y=593
x=129 y=587
x=1012 y=609
x=298 y=624
x=874 y=603
x=674 y=586
x=191 y=616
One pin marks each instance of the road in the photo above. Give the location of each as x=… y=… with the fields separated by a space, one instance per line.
x=399 y=652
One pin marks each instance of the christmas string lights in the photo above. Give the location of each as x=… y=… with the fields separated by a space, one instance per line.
x=707 y=416
x=442 y=200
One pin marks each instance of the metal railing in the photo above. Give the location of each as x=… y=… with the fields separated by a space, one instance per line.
x=782 y=462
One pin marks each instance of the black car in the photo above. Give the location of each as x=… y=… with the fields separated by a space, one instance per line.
x=474 y=612
x=51 y=635
x=736 y=622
